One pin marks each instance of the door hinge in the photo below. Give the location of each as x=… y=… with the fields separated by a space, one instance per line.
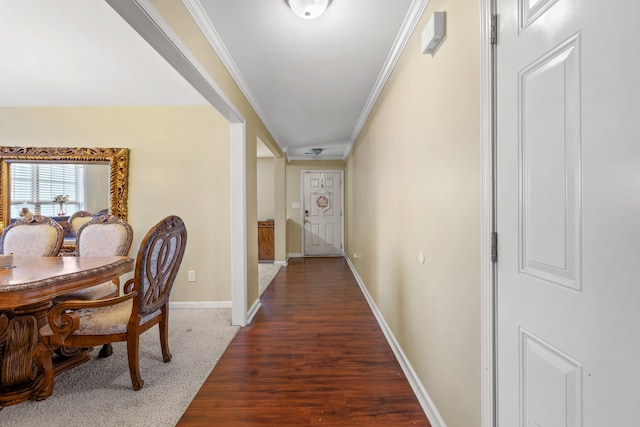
x=494 y=247
x=494 y=29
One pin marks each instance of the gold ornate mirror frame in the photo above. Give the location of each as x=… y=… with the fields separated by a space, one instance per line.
x=116 y=158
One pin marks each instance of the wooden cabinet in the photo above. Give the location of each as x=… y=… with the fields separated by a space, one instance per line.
x=266 y=248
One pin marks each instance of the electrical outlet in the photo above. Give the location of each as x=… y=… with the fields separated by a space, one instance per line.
x=192 y=276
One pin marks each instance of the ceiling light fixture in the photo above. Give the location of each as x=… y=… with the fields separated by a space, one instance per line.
x=315 y=151
x=308 y=9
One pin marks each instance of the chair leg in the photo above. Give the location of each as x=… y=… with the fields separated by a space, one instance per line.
x=163 y=328
x=105 y=351
x=133 y=354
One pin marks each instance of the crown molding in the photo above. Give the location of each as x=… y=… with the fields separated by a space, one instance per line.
x=411 y=20
x=202 y=19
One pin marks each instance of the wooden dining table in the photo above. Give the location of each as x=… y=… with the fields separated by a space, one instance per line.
x=27 y=291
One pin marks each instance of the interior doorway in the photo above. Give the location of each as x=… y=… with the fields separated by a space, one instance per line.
x=266 y=202
x=146 y=20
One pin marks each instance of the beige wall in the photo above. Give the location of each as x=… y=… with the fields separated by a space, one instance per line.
x=294 y=193
x=179 y=164
x=413 y=184
x=266 y=188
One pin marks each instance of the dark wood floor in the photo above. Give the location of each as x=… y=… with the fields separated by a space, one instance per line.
x=314 y=354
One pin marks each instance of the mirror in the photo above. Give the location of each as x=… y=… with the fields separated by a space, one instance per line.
x=115 y=161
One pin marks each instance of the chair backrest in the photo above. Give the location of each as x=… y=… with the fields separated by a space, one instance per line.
x=35 y=236
x=104 y=235
x=157 y=264
x=78 y=219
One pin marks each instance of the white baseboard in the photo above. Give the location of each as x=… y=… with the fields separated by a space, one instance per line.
x=252 y=311
x=294 y=255
x=200 y=304
x=423 y=397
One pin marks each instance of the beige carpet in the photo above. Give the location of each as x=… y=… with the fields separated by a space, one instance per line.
x=266 y=273
x=99 y=392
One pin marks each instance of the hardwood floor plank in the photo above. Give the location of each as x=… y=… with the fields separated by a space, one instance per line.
x=314 y=354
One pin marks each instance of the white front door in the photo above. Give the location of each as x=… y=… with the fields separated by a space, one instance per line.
x=322 y=195
x=568 y=213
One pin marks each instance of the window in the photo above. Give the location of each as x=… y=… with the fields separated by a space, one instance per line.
x=35 y=185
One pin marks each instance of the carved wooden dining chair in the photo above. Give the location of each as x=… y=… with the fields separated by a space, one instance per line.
x=144 y=304
x=78 y=219
x=35 y=236
x=102 y=235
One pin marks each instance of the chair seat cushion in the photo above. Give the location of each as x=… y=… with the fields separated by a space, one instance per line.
x=101 y=291
x=104 y=320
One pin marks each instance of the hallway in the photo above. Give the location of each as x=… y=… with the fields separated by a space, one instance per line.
x=314 y=354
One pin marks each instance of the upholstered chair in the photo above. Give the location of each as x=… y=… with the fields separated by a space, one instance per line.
x=35 y=236
x=145 y=303
x=103 y=235
x=78 y=219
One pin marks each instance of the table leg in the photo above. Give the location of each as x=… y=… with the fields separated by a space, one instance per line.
x=19 y=372
x=26 y=365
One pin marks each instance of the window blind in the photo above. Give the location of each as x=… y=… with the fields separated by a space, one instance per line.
x=35 y=185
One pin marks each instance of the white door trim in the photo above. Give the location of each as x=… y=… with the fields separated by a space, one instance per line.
x=341 y=172
x=487 y=220
x=239 y=300
x=145 y=19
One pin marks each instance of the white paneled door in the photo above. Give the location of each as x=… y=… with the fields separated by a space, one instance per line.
x=568 y=213
x=322 y=195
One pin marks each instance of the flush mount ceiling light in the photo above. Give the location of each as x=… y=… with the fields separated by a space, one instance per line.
x=308 y=9
x=315 y=151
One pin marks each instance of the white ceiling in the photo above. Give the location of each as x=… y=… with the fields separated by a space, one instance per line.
x=81 y=53
x=312 y=82
x=309 y=80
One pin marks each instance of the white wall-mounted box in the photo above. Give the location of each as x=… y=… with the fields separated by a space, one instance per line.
x=434 y=33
